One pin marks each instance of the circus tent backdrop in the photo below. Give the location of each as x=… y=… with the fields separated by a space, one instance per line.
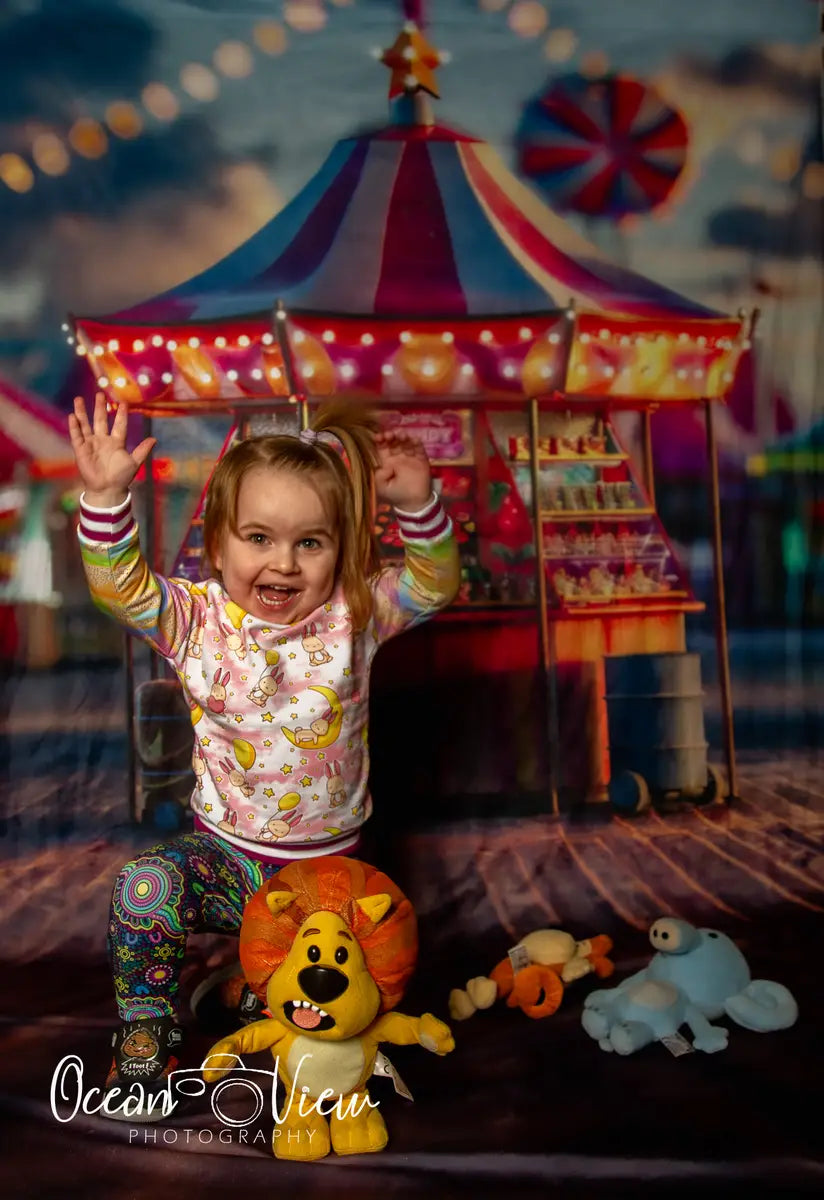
x=31 y=432
x=414 y=262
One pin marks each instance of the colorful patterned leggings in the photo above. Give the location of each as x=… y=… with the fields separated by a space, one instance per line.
x=194 y=884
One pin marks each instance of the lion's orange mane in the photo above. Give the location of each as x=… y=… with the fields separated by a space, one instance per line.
x=331 y=884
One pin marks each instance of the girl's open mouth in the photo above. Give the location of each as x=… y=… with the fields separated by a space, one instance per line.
x=275 y=597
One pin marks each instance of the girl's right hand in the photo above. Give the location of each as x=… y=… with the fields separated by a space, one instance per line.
x=105 y=465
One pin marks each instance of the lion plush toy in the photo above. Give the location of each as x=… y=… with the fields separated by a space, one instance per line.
x=329 y=945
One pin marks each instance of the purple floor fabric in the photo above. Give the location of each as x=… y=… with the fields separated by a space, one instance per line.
x=521 y=1108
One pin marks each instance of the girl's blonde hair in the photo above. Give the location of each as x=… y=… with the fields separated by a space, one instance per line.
x=348 y=489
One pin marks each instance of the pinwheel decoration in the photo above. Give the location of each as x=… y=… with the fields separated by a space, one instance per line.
x=608 y=147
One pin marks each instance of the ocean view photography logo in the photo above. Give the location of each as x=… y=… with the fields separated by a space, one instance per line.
x=69 y=1098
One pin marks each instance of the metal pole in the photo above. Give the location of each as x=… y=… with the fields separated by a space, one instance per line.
x=646 y=443
x=155 y=667
x=546 y=633
x=128 y=653
x=722 y=648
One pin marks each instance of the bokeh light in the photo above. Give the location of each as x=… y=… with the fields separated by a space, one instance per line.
x=160 y=101
x=751 y=146
x=560 y=45
x=812 y=181
x=124 y=120
x=528 y=18
x=234 y=60
x=199 y=82
x=270 y=37
x=785 y=162
x=594 y=64
x=304 y=16
x=88 y=138
x=50 y=154
x=16 y=173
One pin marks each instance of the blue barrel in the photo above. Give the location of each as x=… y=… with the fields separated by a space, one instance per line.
x=655 y=714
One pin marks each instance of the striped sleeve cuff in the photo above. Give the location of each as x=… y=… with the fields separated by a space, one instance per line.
x=426 y=525
x=107 y=525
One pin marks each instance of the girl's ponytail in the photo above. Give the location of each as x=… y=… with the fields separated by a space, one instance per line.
x=354 y=427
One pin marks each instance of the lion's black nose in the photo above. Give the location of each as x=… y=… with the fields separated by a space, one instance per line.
x=322 y=984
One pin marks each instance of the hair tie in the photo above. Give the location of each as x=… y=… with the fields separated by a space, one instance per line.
x=311 y=437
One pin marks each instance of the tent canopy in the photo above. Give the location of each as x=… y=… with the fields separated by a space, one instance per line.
x=412 y=221
x=30 y=431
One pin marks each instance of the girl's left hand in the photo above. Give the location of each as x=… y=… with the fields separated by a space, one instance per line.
x=402 y=476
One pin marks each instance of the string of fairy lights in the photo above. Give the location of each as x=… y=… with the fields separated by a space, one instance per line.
x=50 y=152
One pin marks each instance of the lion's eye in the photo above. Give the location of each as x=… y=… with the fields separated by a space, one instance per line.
x=313 y=953
x=341 y=954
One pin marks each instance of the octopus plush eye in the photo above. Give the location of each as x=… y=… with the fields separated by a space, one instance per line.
x=341 y=954
x=313 y=953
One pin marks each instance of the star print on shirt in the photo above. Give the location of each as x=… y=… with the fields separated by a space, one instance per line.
x=207 y=741
x=293 y=655
x=304 y=761
x=267 y=717
x=286 y=769
x=307 y=779
x=268 y=792
x=347 y=671
x=331 y=624
x=218 y=656
x=254 y=646
x=327 y=608
x=308 y=674
x=293 y=716
x=268 y=742
x=316 y=796
x=238 y=718
x=321 y=755
x=207 y=808
x=282 y=641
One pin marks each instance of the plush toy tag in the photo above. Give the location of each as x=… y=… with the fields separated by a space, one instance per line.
x=384 y=1067
x=519 y=958
x=676 y=1044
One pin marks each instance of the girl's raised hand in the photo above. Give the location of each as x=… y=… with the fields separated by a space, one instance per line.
x=403 y=476
x=105 y=465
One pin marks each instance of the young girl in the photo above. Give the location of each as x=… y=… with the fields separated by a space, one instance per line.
x=273 y=652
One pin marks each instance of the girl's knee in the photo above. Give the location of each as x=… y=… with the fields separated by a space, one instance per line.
x=150 y=888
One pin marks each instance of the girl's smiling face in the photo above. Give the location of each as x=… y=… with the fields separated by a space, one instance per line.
x=279 y=562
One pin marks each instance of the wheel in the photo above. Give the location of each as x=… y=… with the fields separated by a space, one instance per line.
x=629 y=793
x=716 y=786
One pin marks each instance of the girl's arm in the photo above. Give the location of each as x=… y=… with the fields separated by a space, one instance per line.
x=122 y=584
x=429 y=578
x=431 y=573
x=121 y=581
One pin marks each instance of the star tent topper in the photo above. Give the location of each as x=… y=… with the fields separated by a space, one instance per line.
x=412 y=61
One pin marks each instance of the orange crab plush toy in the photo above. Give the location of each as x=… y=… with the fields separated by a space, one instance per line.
x=329 y=945
x=553 y=959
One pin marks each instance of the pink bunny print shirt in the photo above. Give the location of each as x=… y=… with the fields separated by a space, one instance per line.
x=279 y=713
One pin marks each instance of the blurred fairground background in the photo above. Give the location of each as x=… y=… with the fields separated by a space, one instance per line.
x=142 y=141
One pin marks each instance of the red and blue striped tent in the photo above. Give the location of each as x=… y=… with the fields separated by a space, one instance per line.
x=412 y=221
x=407 y=235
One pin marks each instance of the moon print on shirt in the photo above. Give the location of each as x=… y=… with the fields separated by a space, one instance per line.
x=324 y=730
